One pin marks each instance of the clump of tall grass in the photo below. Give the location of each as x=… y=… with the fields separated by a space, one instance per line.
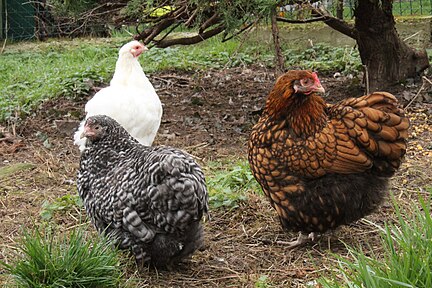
x=406 y=260
x=48 y=258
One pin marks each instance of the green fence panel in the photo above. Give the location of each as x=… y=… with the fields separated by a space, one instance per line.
x=19 y=19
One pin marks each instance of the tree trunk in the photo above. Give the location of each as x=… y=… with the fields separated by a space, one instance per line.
x=387 y=58
x=279 y=58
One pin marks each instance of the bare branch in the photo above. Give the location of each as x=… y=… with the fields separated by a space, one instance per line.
x=150 y=33
x=316 y=19
x=191 y=18
x=190 y=40
x=211 y=21
x=157 y=29
x=335 y=23
x=239 y=32
x=169 y=32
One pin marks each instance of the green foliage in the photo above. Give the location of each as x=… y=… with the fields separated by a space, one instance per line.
x=64 y=203
x=262 y=282
x=407 y=257
x=325 y=58
x=60 y=259
x=30 y=76
x=236 y=13
x=42 y=71
x=229 y=183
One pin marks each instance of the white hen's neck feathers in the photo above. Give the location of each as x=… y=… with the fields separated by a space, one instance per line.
x=128 y=72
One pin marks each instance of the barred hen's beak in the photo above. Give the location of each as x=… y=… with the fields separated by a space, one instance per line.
x=87 y=132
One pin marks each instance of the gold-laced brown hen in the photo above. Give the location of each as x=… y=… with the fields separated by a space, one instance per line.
x=324 y=165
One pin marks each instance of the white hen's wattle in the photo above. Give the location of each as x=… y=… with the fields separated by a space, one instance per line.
x=130 y=99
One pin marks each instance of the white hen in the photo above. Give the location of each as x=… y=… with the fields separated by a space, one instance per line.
x=130 y=99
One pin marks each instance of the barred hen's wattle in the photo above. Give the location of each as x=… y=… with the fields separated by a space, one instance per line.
x=324 y=165
x=149 y=199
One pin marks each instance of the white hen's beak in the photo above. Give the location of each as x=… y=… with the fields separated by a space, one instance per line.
x=137 y=52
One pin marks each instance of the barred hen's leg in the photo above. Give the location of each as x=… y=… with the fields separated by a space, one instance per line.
x=301 y=240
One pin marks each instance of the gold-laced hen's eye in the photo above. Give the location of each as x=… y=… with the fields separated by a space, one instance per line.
x=306 y=82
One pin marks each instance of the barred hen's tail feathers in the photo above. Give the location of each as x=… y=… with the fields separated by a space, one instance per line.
x=379 y=126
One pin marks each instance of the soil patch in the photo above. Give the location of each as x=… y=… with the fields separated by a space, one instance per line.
x=209 y=114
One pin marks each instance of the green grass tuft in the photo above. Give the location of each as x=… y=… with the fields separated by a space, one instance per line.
x=56 y=259
x=229 y=183
x=406 y=260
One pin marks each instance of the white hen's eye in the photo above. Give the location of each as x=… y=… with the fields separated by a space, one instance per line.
x=306 y=82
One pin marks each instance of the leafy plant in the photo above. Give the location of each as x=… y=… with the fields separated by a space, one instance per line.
x=230 y=183
x=63 y=203
x=407 y=257
x=262 y=282
x=50 y=258
x=325 y=58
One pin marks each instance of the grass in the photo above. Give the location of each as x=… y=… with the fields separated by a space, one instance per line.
x=32 y=72
x=229 y=183
x=58 y=259
x=406 y=260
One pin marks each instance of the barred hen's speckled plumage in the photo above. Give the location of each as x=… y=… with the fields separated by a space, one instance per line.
x=325 y=165
x=150 y=199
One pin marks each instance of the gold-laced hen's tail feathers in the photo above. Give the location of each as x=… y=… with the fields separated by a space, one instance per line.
x=378 y=125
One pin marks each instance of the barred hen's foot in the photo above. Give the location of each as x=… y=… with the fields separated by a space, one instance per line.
x=301 y=240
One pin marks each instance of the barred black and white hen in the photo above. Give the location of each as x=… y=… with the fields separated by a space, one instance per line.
x=148 y=199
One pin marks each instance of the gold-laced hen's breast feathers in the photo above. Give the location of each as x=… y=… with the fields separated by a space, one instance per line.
x=323 y=165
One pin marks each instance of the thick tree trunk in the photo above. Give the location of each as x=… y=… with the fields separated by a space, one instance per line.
x=388 y=59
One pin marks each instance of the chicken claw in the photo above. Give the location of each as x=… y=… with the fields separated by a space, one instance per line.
x=301 y=240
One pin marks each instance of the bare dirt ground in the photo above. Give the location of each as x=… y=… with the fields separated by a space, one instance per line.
x=208 y=114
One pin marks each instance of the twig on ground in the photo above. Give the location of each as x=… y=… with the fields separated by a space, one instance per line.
x=366 y=78
x=426 y=82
